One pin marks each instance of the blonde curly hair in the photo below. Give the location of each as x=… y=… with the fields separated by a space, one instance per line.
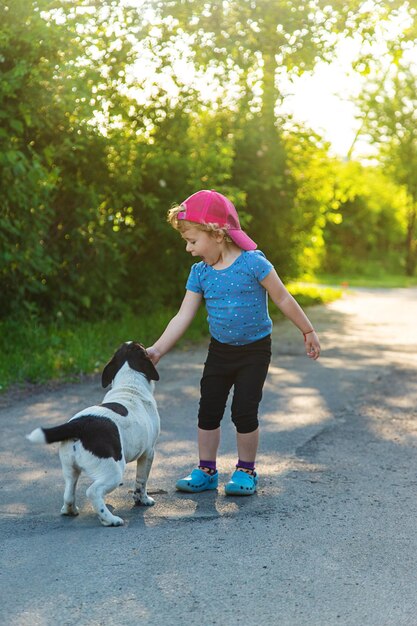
x=182 y=225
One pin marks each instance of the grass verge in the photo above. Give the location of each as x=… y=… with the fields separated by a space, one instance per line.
x=32 y=352
x=386 y=281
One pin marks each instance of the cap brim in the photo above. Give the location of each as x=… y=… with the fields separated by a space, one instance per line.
x=241 y=239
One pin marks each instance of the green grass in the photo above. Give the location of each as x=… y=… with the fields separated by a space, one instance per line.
x=309 y=295
x=381 y=280
x=32 y=352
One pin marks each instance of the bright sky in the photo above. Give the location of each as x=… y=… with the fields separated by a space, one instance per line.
x=323 y=100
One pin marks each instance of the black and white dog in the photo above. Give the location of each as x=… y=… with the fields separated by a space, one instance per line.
x=101 y=439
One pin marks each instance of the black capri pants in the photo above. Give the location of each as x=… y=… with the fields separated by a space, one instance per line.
x=245 y=368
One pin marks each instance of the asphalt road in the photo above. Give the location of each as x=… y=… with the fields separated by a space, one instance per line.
x=329 y=539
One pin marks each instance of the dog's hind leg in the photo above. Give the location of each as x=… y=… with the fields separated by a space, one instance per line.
x=144 y=464
x=71 y=475
x=107 y=482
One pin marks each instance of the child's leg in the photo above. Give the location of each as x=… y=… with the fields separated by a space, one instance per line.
x=215 y=386
x=247 y=445
x=247 y=396
x=208 y=444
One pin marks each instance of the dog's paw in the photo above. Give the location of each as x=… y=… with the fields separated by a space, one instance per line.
x=142 y=499
x=112 y=521
x=70 y=509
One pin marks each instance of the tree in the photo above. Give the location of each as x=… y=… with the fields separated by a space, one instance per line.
x=389 y=109
x=244 y=47
x=61 y=68
x=366 y=231
x=317 y=194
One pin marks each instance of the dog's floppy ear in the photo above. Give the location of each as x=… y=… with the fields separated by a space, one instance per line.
x=139 y=361
x=150 y=370
x=113 y=366
x=109 y=372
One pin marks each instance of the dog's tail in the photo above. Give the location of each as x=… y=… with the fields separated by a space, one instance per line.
x=70 y=430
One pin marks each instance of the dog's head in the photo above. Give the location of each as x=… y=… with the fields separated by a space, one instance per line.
x=134 y=354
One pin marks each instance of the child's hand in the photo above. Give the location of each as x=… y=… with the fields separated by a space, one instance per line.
x=312 y=345
x=153 y=354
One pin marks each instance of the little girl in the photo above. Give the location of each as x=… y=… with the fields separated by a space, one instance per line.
x=234 y=279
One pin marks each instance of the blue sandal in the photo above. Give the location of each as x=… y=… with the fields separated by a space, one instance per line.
x=241 y=484
x=198 y=481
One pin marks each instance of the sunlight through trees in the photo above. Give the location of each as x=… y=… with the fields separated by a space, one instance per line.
x=112 y=111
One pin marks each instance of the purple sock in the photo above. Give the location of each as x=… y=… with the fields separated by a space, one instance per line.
x=246 y=465
x=211 y=465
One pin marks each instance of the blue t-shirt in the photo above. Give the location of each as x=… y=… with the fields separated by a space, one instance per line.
x=236 y=302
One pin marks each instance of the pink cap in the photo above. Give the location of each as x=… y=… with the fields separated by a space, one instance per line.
x=211 y=207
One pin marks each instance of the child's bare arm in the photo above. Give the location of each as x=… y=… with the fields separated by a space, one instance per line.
x=176 y=327
x=291 y=309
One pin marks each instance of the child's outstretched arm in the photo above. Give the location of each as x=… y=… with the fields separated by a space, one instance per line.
x=176 y=327
x=291 y=309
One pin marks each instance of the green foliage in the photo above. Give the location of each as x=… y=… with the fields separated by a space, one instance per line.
x=311 y=295
x=94 y=150
x=237 y=35
x=316 y=196
x=389 y=103
x=35 y=352
x=260 y=169
x=57 y=207
x=370 y=227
